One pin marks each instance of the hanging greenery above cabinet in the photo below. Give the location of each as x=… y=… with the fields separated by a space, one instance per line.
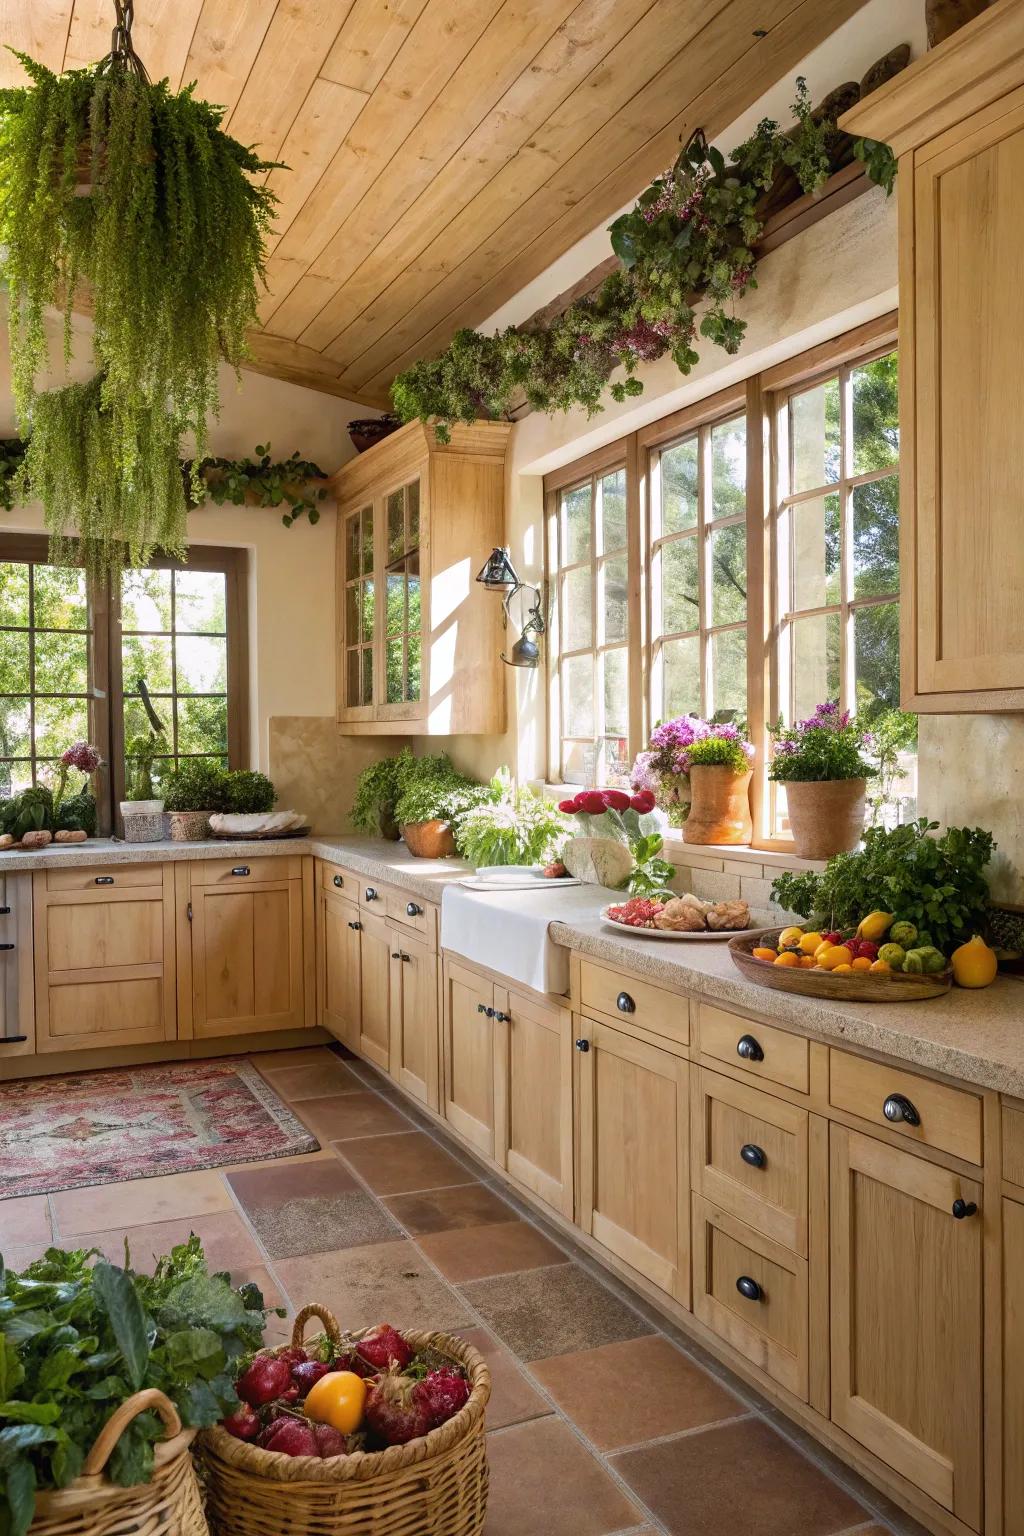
x=124 y=190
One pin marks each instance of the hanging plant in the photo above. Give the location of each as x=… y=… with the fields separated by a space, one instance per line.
x=109 y=180
x=74 y=465
x=12 y=461
x=262 y=482
x=690 y=237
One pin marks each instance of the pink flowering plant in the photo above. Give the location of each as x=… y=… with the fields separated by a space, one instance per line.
x=827 y=745
x=81 y=756
x=664 y=767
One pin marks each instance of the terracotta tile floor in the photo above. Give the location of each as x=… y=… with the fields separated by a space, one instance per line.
x=604 y=1421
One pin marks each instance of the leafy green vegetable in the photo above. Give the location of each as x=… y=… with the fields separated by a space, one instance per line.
x=77 y=1339
x=936 y=883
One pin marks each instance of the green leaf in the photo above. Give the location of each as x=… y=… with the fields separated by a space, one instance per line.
x=117 y=1295
x=21 y=1495
x=22 y=1437
x=31 y=1413
x=195 y=1351
x=12 y=1372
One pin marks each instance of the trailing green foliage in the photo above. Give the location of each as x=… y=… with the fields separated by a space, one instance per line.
x=445 y=795
x=691 y=236
x=878 y=161
x=12 y=461
x=287 y=482
x=170 y=238
x=936 y=883
x=378 y=788
x=77 y=1339
x=73 y=465
x=512 y=826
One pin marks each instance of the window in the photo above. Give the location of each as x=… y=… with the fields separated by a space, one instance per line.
x=698 y=566
x=588 y=643
x=74 y=649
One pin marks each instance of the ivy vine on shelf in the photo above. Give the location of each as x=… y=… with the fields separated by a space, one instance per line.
x=263 y=483
x=690 y=236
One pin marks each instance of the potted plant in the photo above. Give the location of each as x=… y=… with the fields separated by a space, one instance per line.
x=248 y=793
x=378 y=788
x=663 y=769
x=433 y=799
x=820 y=762
x=512 y=826
x=720 y=776
x=193 y=793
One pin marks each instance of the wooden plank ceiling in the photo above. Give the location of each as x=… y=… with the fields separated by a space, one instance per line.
x=441 y=153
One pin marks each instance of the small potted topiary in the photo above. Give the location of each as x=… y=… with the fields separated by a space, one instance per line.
x=248 y=793
x=142 y=812
x=194 y=792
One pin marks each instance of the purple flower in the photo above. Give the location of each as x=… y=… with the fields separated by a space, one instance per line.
x=82 y=756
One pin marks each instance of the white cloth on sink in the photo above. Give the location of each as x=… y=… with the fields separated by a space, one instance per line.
x=507 y=930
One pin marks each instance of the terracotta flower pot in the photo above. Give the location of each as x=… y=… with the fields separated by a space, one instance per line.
x=720 y=807
x=429 y=839
x=827 y=817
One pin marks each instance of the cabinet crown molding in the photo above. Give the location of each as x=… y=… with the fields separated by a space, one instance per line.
x=969 y=71
x=484 y=441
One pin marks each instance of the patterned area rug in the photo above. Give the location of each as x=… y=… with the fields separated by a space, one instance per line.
x=100 y=1127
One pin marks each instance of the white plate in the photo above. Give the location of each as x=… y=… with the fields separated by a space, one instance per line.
x=705 y=936
x=523 y=880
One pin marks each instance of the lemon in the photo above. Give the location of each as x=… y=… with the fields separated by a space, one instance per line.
x=811 y=942
x=974 y=964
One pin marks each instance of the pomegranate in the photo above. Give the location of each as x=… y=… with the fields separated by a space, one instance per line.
x=306 y=1373
x=292 y=1437
x=395 y=1410
x=444 y=1392
x=383 y=1346
x=267 y=1377
x=244 y=1423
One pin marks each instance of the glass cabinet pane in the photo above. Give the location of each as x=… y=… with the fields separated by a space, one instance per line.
x=396 y=525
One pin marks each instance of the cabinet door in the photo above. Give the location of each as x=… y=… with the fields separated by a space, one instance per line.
x=1013 y=1368
x=338 y=968
x=469 y=1055
x=247 y=957
x=968 y=311
x=413 y=1043
x=634 y=1162
x=375 y=991
x=401 y=691
x=907 y=1317
x=104 y=962
x=357 y=613
x=533 y=1042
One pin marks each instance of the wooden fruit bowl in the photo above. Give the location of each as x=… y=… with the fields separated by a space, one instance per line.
x=861 y=987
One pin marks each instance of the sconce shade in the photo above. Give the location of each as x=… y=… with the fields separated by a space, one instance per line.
x=499 y=572
x=525 y=653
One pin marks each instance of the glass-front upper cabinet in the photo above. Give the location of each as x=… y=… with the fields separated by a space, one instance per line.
x=358 y=615
x=403 y=625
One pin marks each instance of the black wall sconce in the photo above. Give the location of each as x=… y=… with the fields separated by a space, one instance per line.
x=499 y=575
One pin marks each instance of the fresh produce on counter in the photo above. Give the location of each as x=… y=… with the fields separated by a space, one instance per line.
x=974 y=964
x=843 y=952
x=682 y=914
x=325 y=1399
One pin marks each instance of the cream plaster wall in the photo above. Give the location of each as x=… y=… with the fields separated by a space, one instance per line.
x=971 y=774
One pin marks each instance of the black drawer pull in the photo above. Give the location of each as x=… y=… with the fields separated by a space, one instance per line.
x=583 y=1045
x=371 y=894
x=395 y=955
x=413 y=910
x=339 y=882
x=753 y=1156
x=240 y=869
x=355 y=927
x=899 y=1110
x=104 y=880
x=962 y=1208
x=624 y=1003
x=749 y=1288
x=13 y=1039
x=749 y=1048
x=502 y=1018
x=481 y=1007
x=5 y=911
x=7 y=946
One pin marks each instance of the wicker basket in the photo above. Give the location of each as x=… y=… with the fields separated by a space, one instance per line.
x=169 y=1505
x=188 y=826
x=434 y=1486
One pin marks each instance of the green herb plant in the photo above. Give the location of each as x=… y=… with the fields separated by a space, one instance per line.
x=140 y=753
x=439 y=796
x=936 y=883
x=718 y=752
x=692 y=236
x=77 y=1339
x=514 y=825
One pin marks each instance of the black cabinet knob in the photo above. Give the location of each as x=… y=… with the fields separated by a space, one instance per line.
x=753 y=1156
x=413 y=909
x=371 y=894
x=355 y=927
x=962 y=1208
x=624 y=1003
x=339 y=882
x=240 y=869
x=749 y=1049
x=583 y=1045
x=749 y=1288
x=104 y=880
x=899 y=1110
x=395 y=955
x=481 y=1007
x=502 y=1018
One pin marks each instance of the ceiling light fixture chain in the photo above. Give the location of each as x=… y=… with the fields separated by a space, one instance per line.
x=122 y=54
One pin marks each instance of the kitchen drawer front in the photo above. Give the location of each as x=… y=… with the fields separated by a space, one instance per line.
x=626 y=999
x=104 y=878
x=247 y=871
x=757 y=1048
x=766 y=1320
x=412 y=913
x=1013 y=1142
x=334 y=877
x=948 y=1119
x=749 y=1156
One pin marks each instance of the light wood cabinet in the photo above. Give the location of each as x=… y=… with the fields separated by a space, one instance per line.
x=634 y=1185
x=956 y=120
x=470 y=1093
x=339 y=984
x=1013 y=1367
x=104 y=957
x=418 y=638
x=375 y=990
x=906 y=1320
x=251 y=944
x=413 y=1043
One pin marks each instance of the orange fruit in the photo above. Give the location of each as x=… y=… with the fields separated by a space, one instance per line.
x=338 y=1399
x=787 y=958
x=842 y=970
x=862 y=963
x=834 y=956
x=807 y=962
x=881 y=967
x=810 y=943
x=762 y=953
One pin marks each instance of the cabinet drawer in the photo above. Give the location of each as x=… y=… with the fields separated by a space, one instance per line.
x=940 y=1116
x=412 y=913
x=626 y=998
x=757 y=1048
x=752 y=1293
x=333 y=877
x=1013 y=1142
x=244 y=871
x=750 y=1156
x=101 y=879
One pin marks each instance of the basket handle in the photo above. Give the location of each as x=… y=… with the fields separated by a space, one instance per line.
x=119 y=1420
x=328 y=1319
